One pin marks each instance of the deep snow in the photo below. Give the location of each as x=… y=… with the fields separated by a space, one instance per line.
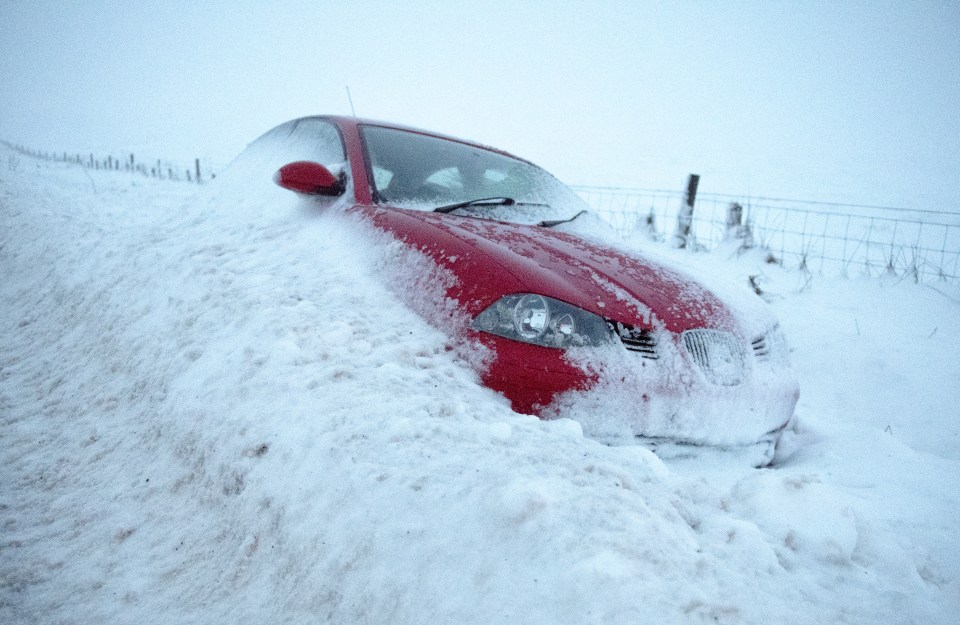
x=218 y=411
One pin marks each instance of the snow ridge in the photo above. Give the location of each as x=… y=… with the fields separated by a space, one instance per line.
x=213 y=412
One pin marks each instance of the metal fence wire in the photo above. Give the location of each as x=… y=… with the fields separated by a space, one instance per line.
x=825 y=237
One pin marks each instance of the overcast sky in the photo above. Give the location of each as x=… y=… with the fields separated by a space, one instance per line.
x=832 y=100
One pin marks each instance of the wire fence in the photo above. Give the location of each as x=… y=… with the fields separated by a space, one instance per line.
x=198 y=171
x=845 y=239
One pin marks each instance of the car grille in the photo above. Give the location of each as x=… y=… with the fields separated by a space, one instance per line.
x=639 y=340
x=719 y=355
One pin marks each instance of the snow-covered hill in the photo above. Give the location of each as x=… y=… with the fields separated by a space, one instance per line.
x=215 y=410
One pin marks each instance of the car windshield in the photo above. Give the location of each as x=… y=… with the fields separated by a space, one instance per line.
x=413 y=170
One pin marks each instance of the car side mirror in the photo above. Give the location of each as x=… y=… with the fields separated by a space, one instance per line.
x=308 y=178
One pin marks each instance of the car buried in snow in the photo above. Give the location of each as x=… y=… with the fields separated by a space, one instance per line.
x=628 y=344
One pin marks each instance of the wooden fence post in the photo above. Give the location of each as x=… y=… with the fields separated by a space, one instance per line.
x=196 y=162
x=736 y=229
x=734 y=220
x=685 y=214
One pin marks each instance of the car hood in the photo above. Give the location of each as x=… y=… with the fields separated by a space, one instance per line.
x=492 y=258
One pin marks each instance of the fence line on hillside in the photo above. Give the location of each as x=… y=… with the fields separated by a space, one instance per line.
x=162 y=169
x=826 y=237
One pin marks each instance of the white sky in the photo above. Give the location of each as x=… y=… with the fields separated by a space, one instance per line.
x=832 y=101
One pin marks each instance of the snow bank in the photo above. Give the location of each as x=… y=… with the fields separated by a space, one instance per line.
x=212 y=412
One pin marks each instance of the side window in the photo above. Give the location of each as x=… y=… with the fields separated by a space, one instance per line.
x=307 y=139
x=250 y=175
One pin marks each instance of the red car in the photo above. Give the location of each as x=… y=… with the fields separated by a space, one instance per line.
x=572 y=325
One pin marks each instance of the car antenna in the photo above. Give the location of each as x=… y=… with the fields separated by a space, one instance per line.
x=349 y=99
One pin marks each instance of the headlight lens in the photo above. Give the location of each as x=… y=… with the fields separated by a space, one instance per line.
x=531 y=317
x=541 y=320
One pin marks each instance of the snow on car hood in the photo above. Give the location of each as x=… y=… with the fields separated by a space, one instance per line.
x=610 y=282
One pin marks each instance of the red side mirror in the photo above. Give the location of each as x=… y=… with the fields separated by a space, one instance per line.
x=308 y=178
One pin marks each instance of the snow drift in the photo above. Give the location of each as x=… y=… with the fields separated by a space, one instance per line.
x=215 y=411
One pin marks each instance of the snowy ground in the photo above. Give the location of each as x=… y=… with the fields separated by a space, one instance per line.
x=215 y=412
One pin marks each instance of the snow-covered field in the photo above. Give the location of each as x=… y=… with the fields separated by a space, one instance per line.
x=215 y=411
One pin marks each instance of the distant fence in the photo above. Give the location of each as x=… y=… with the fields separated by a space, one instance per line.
x=848 y=239
x=198 y=171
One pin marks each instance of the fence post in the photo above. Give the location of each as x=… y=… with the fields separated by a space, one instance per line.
x=196 y=163
x=734 y=218
x=685 y=214
x=650 y=222
x=736 y=229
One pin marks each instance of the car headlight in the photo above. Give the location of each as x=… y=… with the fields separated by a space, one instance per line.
x=541 y=320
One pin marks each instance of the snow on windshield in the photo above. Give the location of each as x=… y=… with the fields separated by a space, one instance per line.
x=414 y=170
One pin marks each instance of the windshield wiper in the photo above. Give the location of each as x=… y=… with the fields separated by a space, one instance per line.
x=488 y=201
x=557 y=222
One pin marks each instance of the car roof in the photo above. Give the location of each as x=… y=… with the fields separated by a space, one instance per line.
x=345 y=121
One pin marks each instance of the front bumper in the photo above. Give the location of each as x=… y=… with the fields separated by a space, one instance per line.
x=618 y=395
